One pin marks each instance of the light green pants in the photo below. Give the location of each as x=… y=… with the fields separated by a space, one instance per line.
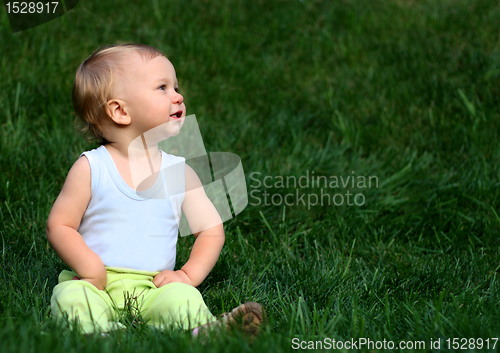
x=175 y=305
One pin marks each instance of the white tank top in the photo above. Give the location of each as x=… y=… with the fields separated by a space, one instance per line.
x=131 y=229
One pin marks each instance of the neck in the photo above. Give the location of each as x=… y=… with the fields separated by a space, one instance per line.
x=126 y=147
x=152 y=152
x=140 y=161
x=139 y=154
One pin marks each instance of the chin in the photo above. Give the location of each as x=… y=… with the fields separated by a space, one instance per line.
x=173 y=128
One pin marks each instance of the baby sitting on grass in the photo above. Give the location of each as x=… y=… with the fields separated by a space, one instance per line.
x=116 y=220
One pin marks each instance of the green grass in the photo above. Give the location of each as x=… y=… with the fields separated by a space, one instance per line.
x=408 y=91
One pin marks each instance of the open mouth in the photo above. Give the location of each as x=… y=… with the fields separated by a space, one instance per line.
x=177 y=115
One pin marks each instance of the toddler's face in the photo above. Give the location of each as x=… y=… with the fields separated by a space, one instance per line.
x=151 y=94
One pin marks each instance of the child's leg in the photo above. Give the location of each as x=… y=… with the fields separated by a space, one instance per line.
x=78 y=298
x=176 y=305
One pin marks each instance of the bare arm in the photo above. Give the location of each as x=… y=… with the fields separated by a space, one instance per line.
x=206 y=225
x=64 y=220
x=204 y=255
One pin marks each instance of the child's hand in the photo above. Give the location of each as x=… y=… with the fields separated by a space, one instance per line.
x=167 y=276
x=95 y=281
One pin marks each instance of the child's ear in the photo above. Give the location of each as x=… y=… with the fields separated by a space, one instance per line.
x=114 y=109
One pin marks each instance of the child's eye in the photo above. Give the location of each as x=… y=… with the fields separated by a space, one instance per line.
x=162 y=87
x=176 y=89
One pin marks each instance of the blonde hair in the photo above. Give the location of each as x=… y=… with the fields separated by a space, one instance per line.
x=95 y=82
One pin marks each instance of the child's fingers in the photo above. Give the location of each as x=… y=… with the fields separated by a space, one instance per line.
x=161 y=282
x=157 y=281
x=162 y=278
x=171 y=277
x=167 y=278
x=97 y=284
x=91 y=281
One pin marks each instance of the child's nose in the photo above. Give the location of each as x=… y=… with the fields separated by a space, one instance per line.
x=178 y=98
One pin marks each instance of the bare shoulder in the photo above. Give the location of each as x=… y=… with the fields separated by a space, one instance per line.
x=80 y=169
x=199 y=210
x=75 y=195
x=78 y=178
x=194 y=195
x=192 y=179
